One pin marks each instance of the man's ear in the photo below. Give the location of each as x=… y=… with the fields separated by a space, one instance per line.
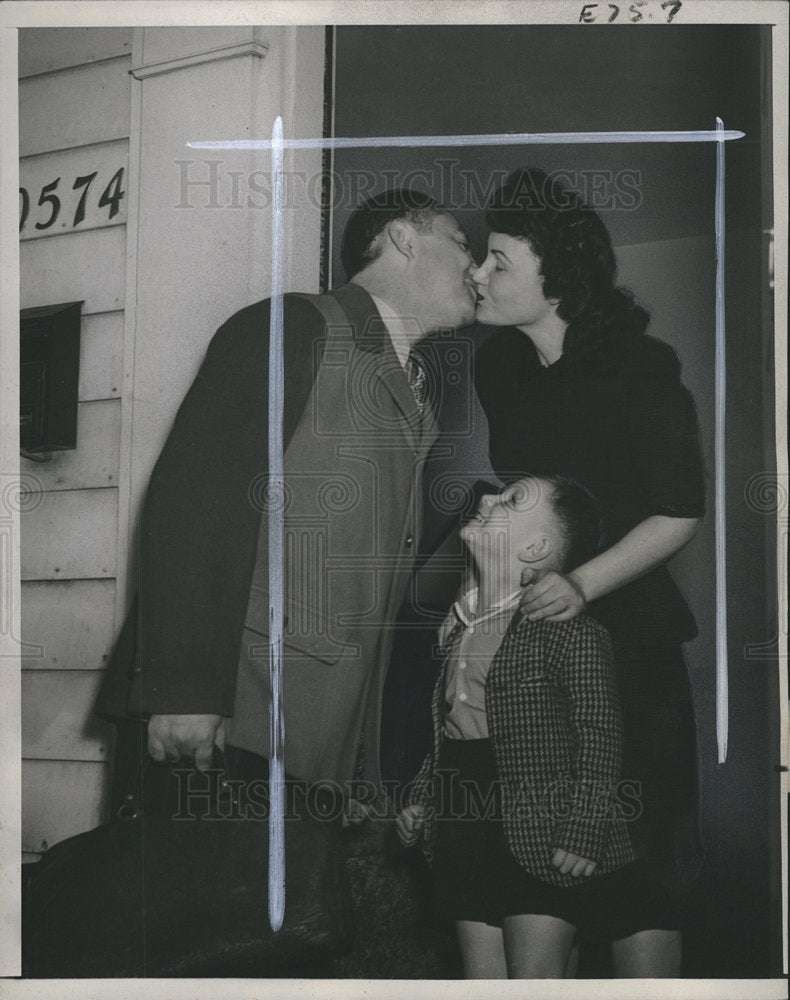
x=537 y=550
x=401 y=236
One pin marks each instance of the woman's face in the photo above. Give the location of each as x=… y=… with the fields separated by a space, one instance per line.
x=510 y=285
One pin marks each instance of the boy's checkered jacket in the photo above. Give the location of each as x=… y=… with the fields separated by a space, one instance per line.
x=554 y=722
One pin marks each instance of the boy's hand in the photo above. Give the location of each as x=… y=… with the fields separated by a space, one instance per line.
x=409 y=824
x=572 y=864
x=555 y=596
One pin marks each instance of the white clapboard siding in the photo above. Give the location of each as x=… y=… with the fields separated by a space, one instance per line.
x=58 y=722
x=60 y=799
x=67 y=624
x=42 y=50
x=64 y=168
x=101 y=356
x=70 y=535
x=94 y=462
x=88 y=266
x=162 y=44
x=75 y=103
x=88 y=104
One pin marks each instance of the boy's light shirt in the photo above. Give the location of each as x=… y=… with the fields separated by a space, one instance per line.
x=465 y=611
x=466 y=607
x=470 y=660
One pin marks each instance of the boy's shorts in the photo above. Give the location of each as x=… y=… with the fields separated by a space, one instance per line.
x=477 y=878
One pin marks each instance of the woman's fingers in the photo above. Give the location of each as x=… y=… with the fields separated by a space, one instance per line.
x=535 y=591
x=556 y=607
x=554 y=596
x=568 y=612
x=528 y=576
x=532 y=602
x=551 y=586
x=552 y=605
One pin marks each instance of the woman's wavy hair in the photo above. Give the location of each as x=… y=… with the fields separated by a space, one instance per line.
x=577 y=263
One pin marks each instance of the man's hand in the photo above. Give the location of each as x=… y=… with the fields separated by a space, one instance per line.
x=572 y=864
x=356 y=812
x=555 y=596
x=171 y=737
x=409 y=824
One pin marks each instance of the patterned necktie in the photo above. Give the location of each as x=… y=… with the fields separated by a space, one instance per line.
x=418 y=380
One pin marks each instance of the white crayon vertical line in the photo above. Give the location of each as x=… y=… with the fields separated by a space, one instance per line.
x=722 y=673
x=276 y=546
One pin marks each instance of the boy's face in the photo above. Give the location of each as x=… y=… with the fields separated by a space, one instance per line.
x=511 y=526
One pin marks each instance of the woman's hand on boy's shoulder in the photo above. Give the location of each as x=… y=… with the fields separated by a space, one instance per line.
x=571 y=864
x=409 y=823
x=556 y=596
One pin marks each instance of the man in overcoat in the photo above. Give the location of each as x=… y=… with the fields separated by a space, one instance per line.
x=192 y=658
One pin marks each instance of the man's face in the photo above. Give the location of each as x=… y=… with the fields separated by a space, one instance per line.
x=443 y=266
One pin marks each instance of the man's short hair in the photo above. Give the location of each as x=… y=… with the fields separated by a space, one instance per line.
x=361 y=240
x=579 y=516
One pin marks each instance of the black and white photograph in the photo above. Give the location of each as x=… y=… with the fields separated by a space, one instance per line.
x=394 y=501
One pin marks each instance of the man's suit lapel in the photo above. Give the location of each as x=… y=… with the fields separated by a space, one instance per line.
x=370 y=334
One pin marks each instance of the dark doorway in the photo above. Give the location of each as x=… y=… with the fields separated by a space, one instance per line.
x=657 y=201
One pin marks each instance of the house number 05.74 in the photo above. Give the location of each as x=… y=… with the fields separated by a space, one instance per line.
x=51 y=202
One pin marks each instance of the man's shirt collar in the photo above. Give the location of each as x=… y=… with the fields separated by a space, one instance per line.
x=401 y=333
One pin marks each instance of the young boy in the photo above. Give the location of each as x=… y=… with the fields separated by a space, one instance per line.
x=531 y=839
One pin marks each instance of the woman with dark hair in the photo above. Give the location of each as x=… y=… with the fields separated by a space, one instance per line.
x=572 y=385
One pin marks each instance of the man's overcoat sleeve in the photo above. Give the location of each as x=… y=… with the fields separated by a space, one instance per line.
x=178 y=652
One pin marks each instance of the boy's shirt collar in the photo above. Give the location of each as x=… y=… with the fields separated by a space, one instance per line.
x=466 y=607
